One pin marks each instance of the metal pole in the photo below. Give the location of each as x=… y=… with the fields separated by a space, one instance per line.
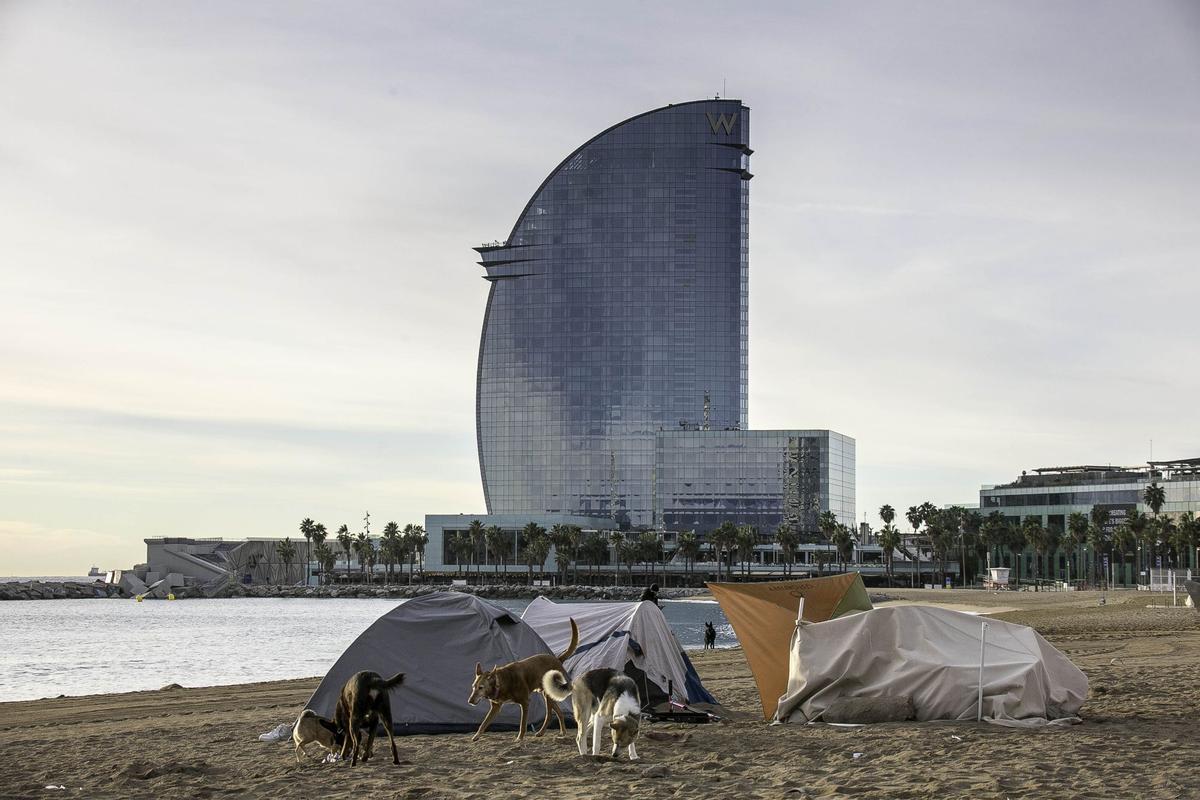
x=982 y=645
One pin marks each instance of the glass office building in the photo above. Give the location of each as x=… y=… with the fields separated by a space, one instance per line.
x=618 y=310
x=759 y=478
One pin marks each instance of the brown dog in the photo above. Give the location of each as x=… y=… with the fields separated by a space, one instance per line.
x=313 y=729
x=363 y=704
x=516 y=683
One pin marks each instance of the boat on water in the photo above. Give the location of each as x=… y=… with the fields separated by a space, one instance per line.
x=96 y=572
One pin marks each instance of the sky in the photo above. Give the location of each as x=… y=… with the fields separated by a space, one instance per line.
x=236 y=284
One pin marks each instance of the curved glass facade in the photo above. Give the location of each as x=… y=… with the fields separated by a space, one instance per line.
x=618 y=303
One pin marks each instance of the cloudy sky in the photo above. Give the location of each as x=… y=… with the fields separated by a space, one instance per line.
x=236 y=287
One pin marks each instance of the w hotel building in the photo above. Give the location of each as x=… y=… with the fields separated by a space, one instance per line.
x=613 y=364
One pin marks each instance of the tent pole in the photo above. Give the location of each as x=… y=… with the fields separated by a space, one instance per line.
x=982 y=645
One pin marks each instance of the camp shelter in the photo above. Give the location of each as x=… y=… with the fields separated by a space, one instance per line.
x=763 y=616
x=631 y=637
x=931 y=655
x=435 y=640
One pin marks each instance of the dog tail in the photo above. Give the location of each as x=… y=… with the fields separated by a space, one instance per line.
x=570 y=651
x=555 y=685
x=394 y=681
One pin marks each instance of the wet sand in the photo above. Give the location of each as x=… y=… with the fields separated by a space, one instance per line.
x=1140 y=737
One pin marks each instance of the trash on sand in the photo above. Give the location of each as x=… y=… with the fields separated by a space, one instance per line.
x=858 y=755
x=956 y=738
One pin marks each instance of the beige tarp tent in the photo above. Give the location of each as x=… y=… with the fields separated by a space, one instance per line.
x=763 y=616
x=931 y=655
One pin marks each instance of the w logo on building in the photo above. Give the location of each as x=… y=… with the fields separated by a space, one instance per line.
x=726 y=121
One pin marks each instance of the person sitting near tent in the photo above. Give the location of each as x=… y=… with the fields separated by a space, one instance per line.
x=651 y=594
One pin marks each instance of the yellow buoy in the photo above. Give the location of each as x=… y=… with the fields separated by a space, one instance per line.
x=138 y=598
x=171 y=596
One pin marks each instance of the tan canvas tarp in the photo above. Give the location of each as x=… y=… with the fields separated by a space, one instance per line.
x=763 y=616
x=931 y=655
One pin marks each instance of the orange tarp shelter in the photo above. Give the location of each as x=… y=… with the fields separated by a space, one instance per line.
x=763 y=616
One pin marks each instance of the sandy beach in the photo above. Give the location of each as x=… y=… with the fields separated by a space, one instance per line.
x=1139 y=738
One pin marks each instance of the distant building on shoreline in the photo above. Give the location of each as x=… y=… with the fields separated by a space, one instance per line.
x=1052 y=494
x=613 y=373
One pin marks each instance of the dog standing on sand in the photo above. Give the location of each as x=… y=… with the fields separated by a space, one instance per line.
x=313 y=729
x=516 y=683
x=600 y=697
x=710 y=636
x=362 y=705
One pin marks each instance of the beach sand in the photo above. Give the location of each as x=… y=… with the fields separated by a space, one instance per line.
x=1140 y=737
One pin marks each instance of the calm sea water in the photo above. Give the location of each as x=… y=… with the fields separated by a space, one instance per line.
x=74 y=647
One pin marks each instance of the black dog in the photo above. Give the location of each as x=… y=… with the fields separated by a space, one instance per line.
x=710 y=636
x=363 y=704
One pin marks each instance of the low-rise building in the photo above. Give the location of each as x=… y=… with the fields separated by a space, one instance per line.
x=1052 y=494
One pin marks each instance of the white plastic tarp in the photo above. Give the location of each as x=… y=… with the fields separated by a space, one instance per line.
x=616 y=634
x=931 y=655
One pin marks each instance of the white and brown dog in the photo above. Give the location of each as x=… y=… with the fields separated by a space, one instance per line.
x=600 y=697
x=310 y=728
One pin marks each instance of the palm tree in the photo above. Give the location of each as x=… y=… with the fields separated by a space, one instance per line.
x=649 y=548
x=346 y=541
x=627 y=554
x=414 y=547
x=1124 y=542
x=497 y=542
x=993 y=533
x=723 y=539
x=787 y=539
x=747 y=538
x=387 y=546
x=970 y=521
x=325 y=558
x=574 y=541
x=915 y=516
x=361 y=542
x=461 y=545
x=887 y=514
x=1015 y=540
x=1189 y=533
x=287 y=553
x=1166 y=534
x=319 y=535
x=1035 y=535
x=1155 y=497
x=307 y=526
x=944 y=528
x=1139 y=526
x=1077 y=525
x=689 y=548
x=889 y=540
x=475 y=532
x=828 y=524
x=848 y=542
x=562 y=557
x=617 y=540
x=532 y=536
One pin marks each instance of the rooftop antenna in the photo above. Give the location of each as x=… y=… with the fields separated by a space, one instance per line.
x=723 y=94
x=707 y=409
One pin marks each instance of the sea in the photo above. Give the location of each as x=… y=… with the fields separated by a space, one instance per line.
x=50 y=648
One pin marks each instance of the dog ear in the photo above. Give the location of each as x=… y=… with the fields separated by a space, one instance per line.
x=478 y=669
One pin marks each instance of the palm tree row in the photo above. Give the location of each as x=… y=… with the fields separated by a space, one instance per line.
x=394 y=546
x=942 y=531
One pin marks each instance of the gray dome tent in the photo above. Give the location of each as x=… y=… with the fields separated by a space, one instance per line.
x=436 y=640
